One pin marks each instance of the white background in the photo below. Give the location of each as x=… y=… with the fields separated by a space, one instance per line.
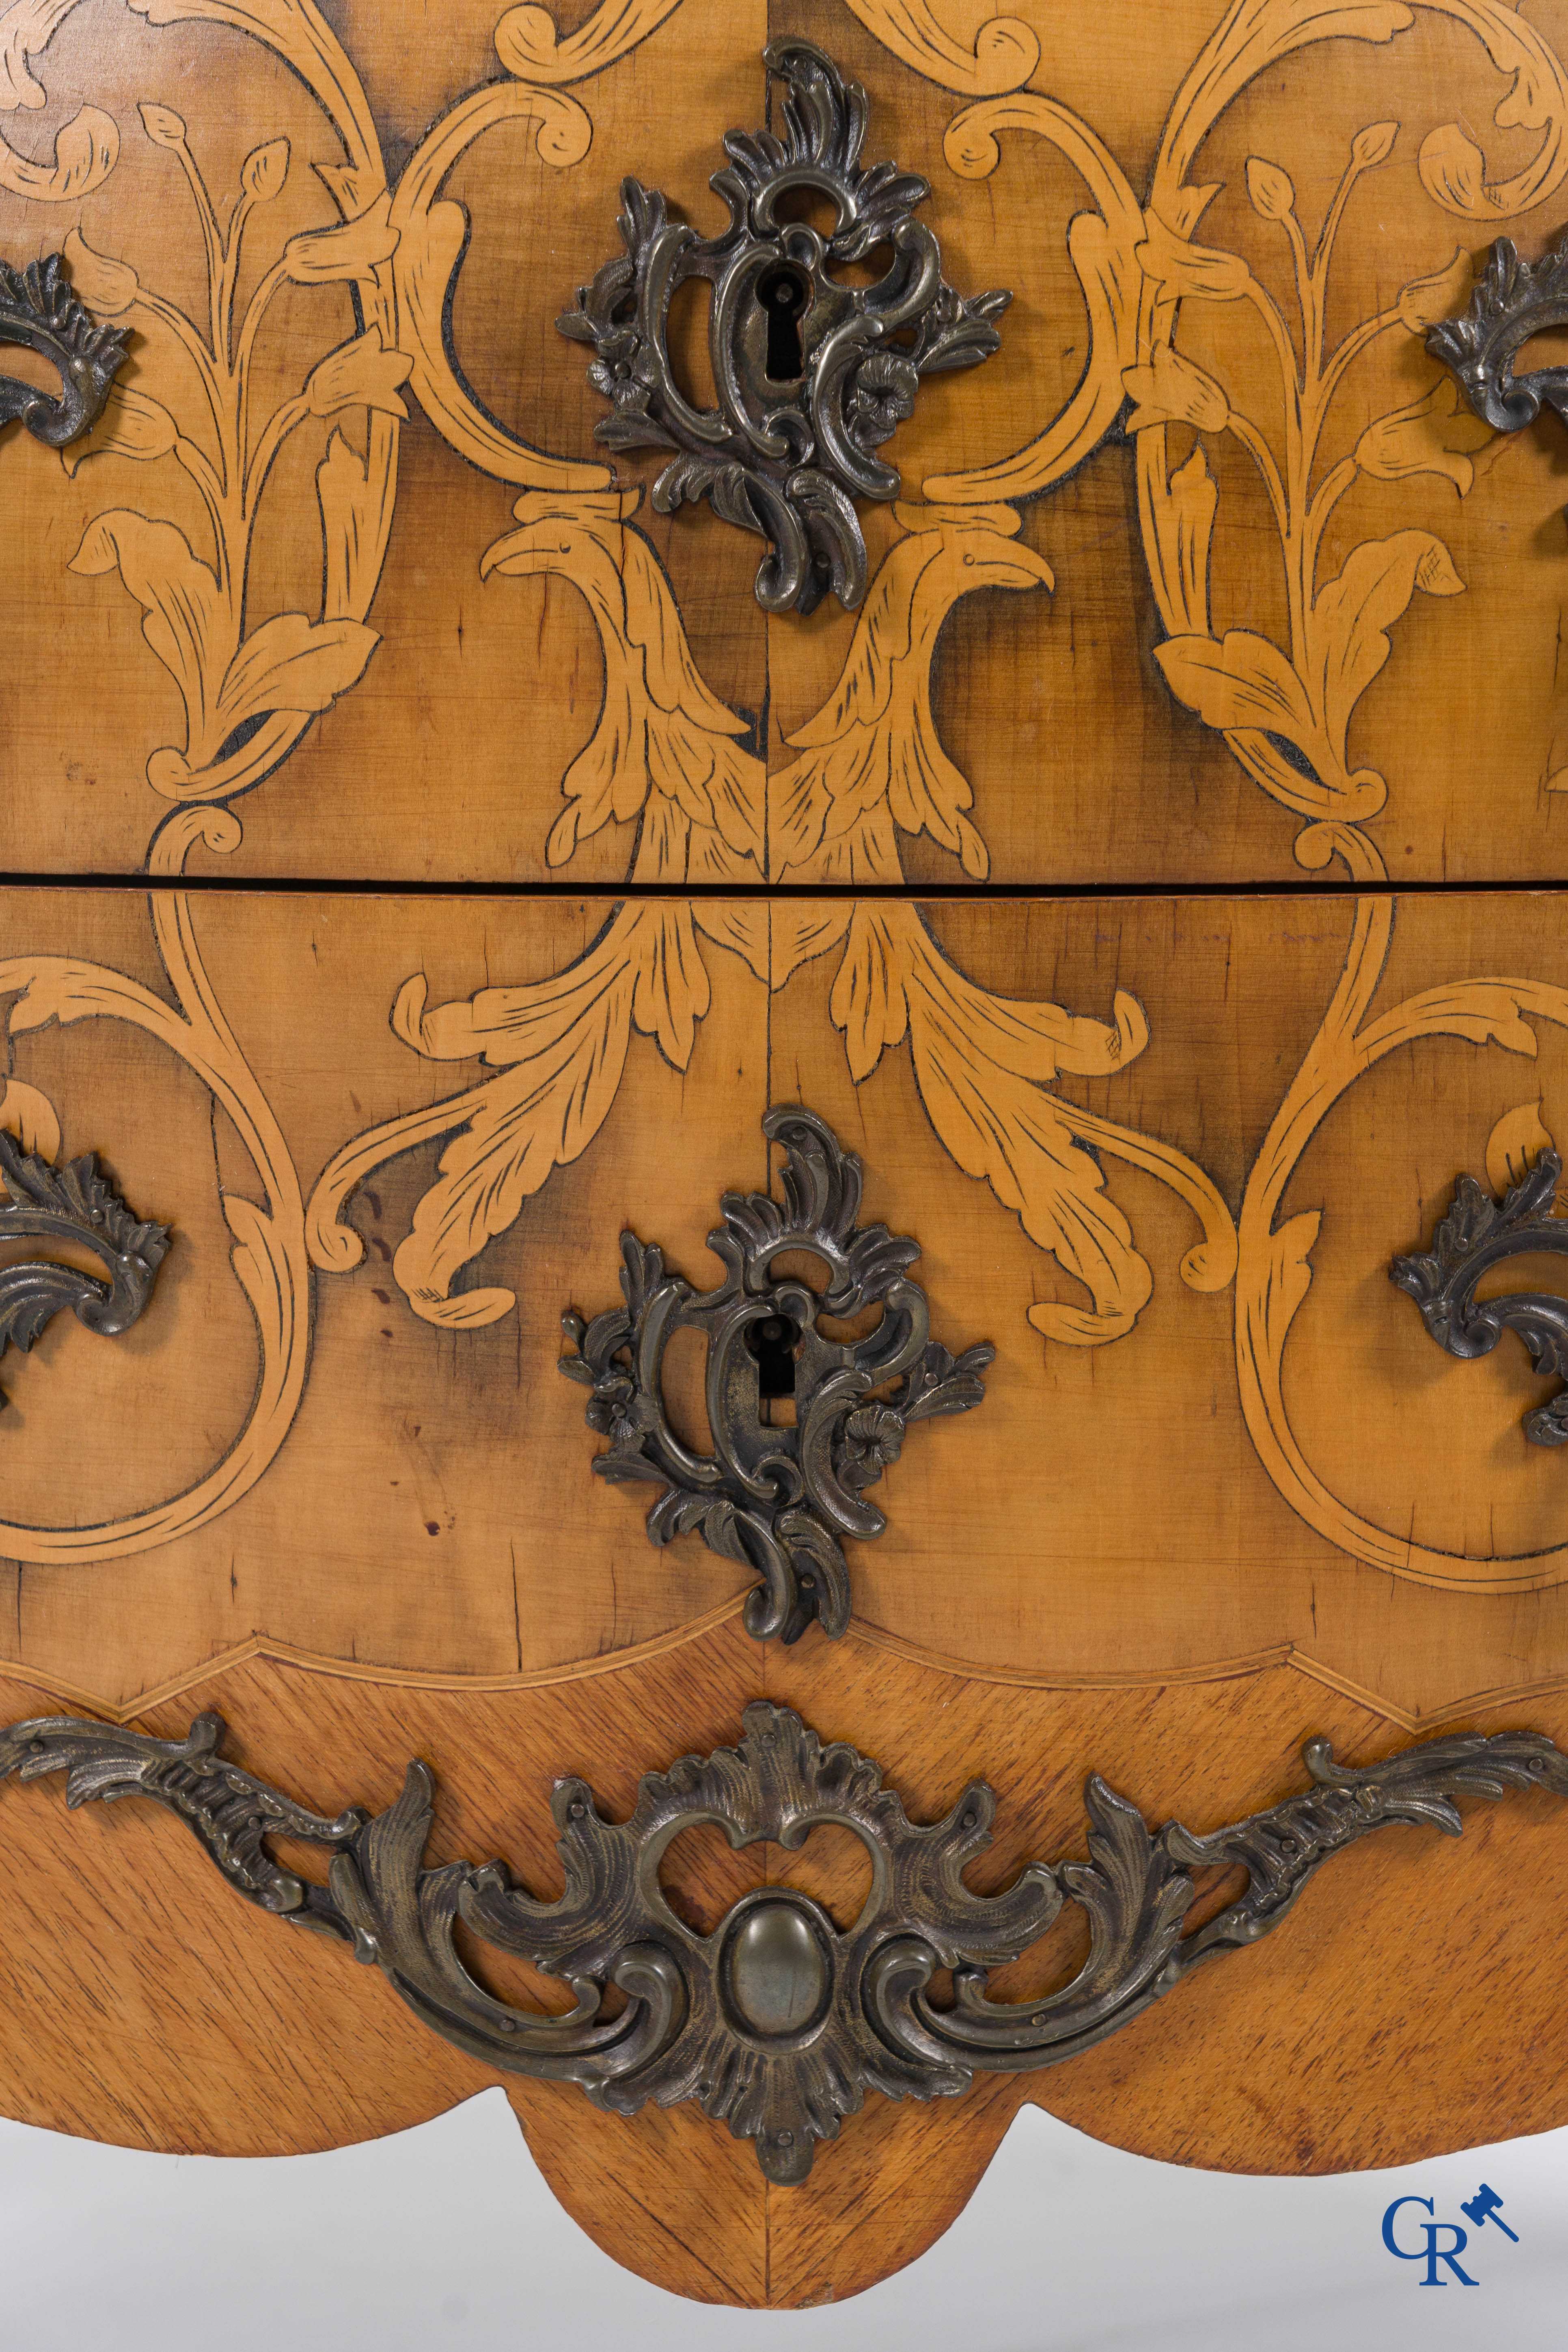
x=449 y=2237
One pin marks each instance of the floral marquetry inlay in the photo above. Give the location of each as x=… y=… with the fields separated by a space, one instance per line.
x=514 y=1077
x=751 y=694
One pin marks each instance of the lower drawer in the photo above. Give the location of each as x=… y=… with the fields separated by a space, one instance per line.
x=1134 y=1461
x=1159 y=1154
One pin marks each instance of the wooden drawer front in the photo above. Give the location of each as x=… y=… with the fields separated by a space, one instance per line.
x=155 y=2010
x=1159 y=1154
x=1224 y=1492
x=346 y=587
x=461 y=903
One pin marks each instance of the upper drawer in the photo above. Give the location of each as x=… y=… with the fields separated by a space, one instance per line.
x=1208 y=569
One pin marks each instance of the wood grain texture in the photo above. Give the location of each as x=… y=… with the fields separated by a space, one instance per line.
x=431 y=1507
x=448 y=765
x=345 y=589
x=1078 y=715
x=146 y=2005
x=452 y=1466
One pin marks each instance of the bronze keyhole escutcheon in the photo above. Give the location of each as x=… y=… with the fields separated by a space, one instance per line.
x=799 y=418
x=784 y=295
x=779 y=1492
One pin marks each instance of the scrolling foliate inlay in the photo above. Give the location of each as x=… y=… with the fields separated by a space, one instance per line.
x=1286 y=709
x=250 y=693
x=670 y=758
x=779 y=2021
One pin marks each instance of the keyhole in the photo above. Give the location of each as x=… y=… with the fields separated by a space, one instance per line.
x=782 y=294
x=773 y=1342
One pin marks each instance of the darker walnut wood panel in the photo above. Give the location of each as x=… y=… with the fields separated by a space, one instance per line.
x=1367 y=2071
x=432 y=1503
x=1084 y=764
x=148 y=2007
x=444 y=761
x=1361 y=2033
x=1117 y=1485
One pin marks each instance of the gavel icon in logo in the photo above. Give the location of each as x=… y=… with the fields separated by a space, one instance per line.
x=1483 y=2207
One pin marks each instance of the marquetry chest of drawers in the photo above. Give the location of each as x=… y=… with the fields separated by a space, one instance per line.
x=786 y=1018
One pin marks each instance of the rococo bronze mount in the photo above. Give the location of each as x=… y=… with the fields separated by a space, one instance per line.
x=804 y=1421
x=39 y=309
x=814 y=373
x=780 y=2022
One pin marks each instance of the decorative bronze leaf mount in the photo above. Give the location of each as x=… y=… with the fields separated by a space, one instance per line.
x=779 y=2021
x=778 y=1497
x=813 y=373
x=70 y=1204
x=1513 y=300
x=1478 y=1235
x=38 y=308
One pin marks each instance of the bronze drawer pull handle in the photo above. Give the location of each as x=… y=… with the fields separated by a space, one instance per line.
x=37 y=308
x=1479 y=1234
x=778 y=1497
x=812 y=372
x=779 y=2021
x=70 y=1204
